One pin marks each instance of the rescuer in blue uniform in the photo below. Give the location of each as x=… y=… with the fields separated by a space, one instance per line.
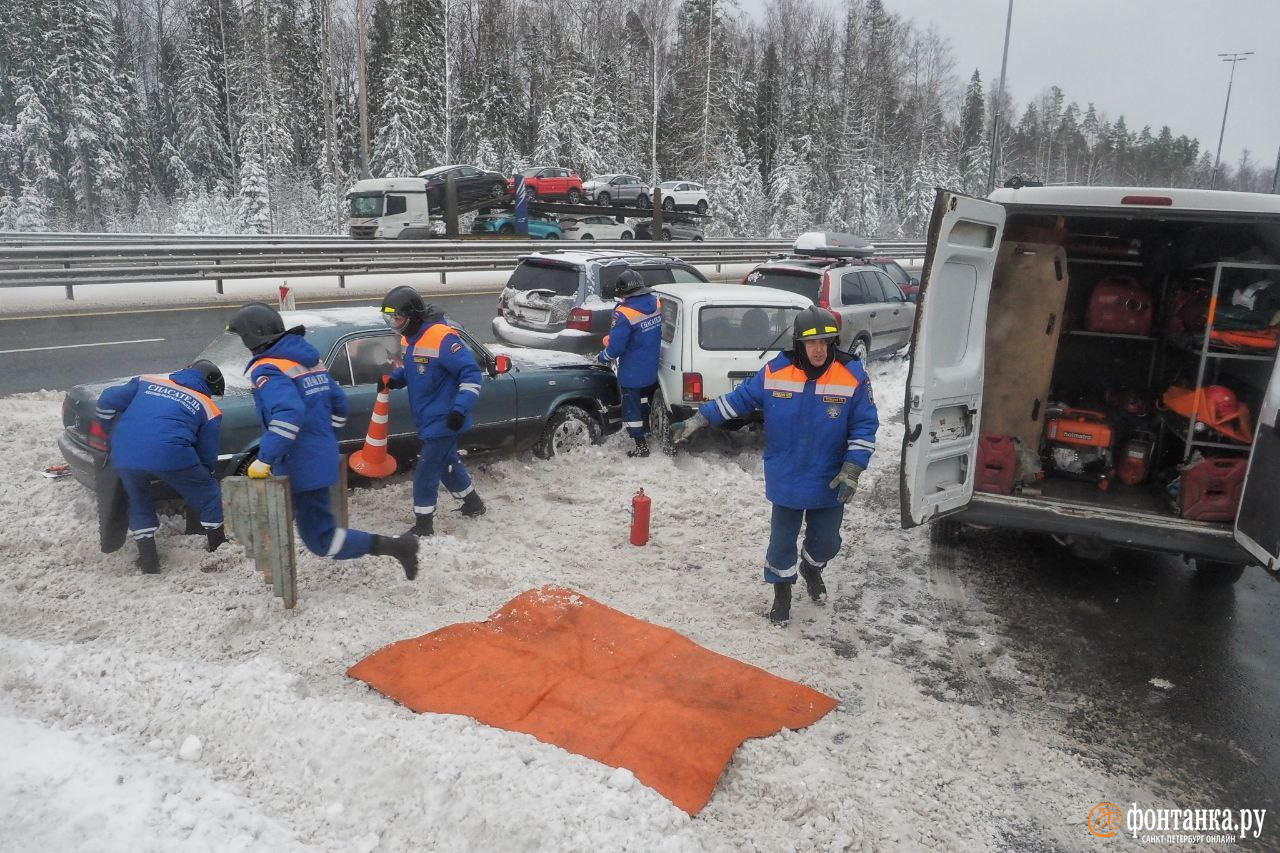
x=166 y=428
x=300 y=407
x=635 y=341
x=820 y=426
x=444 y=384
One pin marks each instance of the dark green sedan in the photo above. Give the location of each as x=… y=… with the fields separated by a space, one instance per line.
x=538 y=400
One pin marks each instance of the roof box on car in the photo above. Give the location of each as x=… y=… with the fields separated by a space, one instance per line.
x=832 y=244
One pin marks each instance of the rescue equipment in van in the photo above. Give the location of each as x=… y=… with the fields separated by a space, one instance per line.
x=1261 y=339
x=1119 y=305
x=1210 y=489
x=1216 y=407
x=1079 y=443
x=1190 y=310
x=997 y=464
x=1135 y=458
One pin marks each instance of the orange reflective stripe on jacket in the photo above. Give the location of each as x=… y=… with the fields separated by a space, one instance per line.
x=837 y=380
x=289 y=368
x=428 y=343
x=633 y=316
x=211 y=409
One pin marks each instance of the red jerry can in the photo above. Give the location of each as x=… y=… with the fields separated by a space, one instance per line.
x=640 y=507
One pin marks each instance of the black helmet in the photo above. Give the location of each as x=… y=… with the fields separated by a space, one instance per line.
x=405 y=310
x=258 y=325
x=814 y=324
x=212 y=376
x=630 y=284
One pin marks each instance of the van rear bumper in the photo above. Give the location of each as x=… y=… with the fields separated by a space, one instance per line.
x=1118 y=527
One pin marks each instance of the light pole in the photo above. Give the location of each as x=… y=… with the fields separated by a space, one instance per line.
x=999 y=102
x=1233 y=58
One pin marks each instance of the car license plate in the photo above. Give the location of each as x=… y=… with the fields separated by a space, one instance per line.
x=534 y=315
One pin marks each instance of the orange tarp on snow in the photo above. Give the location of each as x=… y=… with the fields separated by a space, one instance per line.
x=569 y=671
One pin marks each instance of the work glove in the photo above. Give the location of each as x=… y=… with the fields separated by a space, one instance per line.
x=259 y=470
x=455 y=421
x=681 y=430
x=846 y=482
x=603 y=358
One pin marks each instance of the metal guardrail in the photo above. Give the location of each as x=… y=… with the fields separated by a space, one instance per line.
x=145 y=258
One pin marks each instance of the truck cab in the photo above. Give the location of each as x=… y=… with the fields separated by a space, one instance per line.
x=1120 y=344
x=389 y=209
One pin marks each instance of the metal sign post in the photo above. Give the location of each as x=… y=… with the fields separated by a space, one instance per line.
x=522 y=207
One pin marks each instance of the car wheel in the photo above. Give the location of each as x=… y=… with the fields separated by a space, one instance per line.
x=702 y=205
x=642 y=201
x=660 y=422
x=603 y=199
x=697 y=239
x=666 y=234
x=668 y=204
x=498 y=189
x=531 y=193
x=507 y=229
x=568 y=428
x=588 y=236
x=574 y=196
x=626 y=235
x=243 y=468
x=860 y=350
x=551 y=235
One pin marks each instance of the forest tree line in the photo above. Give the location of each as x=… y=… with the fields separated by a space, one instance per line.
x=243 y=116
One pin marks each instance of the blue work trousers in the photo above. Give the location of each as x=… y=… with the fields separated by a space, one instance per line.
x=821 y=540
x=196 y=485
x=438 y=462
x=635 y=410
x=320 y=532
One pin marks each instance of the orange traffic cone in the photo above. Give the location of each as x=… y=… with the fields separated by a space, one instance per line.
x=372 y=460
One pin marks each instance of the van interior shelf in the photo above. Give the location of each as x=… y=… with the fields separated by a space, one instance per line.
x=1111 y=262
x=1237 y=265
x=1179 y=431
x=1192 y=348
x=1116 y=335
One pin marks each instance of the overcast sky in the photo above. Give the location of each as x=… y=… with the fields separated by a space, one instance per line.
x=1153 y=61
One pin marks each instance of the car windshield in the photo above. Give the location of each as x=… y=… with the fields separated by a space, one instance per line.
x=229 y=353
x=435 y=170
x=669 y=185
x=744 y=327
x=366 y=205
x=529 y=173
x=532 y=275
x=603 y=179
x=792 y=281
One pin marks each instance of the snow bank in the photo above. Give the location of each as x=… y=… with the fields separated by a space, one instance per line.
x=106 y=673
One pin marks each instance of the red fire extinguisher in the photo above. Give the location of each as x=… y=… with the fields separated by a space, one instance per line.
x=640 y=506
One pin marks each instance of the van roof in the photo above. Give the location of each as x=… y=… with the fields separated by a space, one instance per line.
x=1143 y=198
x=732 y=293
x=383 y=184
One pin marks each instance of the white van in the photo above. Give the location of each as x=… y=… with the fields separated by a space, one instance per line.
x=1006 y=339
x=713 y=337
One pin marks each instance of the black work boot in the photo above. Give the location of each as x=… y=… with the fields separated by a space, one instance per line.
x=472 y=505
x=215 y=536
x=403 y=548
x=148 y=559
x=423 y=525
x=641 y=449
x=813 y=582
x=780 y=613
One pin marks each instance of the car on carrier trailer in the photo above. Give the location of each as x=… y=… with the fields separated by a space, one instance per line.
x=1006 y=335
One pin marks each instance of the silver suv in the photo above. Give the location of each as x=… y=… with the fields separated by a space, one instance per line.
x=832 y=270
x=606 y=190
x=564 y=300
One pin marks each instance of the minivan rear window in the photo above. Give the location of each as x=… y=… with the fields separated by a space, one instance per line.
x=532 y=275
x=802 y=283
x=744 y=327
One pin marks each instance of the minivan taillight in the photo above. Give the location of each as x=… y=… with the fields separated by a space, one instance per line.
x=824 y=292
x=693 y=387
x=580 y=319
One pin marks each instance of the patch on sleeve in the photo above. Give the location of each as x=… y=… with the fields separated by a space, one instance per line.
x=455 y=347
x=871 y=398
x=260 y=381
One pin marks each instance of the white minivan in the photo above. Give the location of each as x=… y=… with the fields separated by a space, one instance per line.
x=713 y=337
x=1019 y=330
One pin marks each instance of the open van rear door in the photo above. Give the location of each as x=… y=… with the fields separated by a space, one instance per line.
x=1258 y=522
x=944 y=389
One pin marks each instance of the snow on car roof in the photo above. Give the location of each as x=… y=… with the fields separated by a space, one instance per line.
x=319 y=318
x=735 y=293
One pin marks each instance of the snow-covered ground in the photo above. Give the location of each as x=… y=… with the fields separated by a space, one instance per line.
x=188 y=711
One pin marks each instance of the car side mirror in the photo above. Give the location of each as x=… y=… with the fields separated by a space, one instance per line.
x=501 y=364
x=914 y=281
